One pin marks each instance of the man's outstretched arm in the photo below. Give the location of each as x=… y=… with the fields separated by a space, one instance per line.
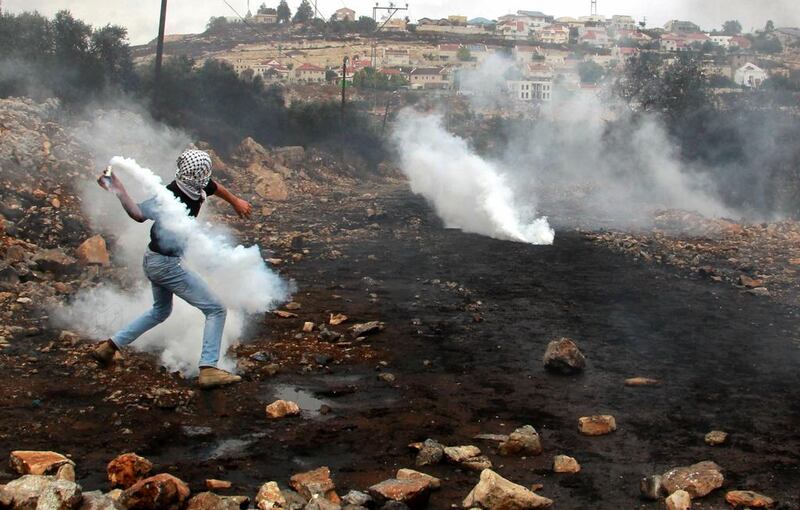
x=115 y=186
x=242 y=207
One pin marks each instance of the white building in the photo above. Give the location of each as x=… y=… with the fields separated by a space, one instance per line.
x=750 y=75
x=539 y=89
x=619 y=22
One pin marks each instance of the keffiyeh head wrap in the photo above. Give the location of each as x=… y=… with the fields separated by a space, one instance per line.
x=194 y=173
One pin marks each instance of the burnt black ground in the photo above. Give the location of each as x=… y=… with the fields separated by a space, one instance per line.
x=726 y=360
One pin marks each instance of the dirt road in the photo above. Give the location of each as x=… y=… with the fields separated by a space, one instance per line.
x=467 y=321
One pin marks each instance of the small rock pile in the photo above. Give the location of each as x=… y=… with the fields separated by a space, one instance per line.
x=761 y=259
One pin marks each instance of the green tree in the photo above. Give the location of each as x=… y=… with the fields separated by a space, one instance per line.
x=732 y=27
x=767 y=44
x=284 y=13
x=590 y=72
x=216 y=25
x=770 y=27
x=110 y=48
x=464 y=54
x=304 y=12
x=365 y=25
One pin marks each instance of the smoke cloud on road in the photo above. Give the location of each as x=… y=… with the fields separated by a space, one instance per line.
x=467 y=191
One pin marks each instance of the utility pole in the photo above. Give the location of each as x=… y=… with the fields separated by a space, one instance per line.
x=160 y=48
x=344 y=83
x=392 y=10
x=594 y=8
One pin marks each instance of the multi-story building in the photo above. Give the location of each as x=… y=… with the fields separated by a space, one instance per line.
x=678 y=27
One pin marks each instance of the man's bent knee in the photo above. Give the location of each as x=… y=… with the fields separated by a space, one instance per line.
x=161 y=313
x=215 y=310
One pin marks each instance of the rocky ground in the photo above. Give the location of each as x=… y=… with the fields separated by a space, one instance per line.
x=406 y=346
x=761 y=259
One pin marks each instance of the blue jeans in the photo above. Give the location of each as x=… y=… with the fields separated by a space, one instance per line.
x=168 y=277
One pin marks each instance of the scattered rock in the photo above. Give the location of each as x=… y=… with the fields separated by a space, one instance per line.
x=458 y=454
x=27 y=462
x=492 y=437
x=495 y=492
x=698 y=479
x=749 y=499
x=215 y=485
x=66 y=472
x=597 y=425
x=759 y=291
x=293 y=306
x=159 y=492
x=282 y=408
x=641 y=381
x=652 y=487
x=308 y=327
x=478 y=463
x=366 y=329
x=525 y=441
x=211 y=501
x=127 y=469
x=565 y=464
x=387 y=377
x=284 y=315
x=59 y=495
x=750 y=283
x=357 y=498
x=318 y=502
x=96 y=500
x=430 y=453
x=93 y=252
x=410 y=474
x=564 y=356
x=337 y=319
x=716 y=437
x=55 y=261
x=314 y=482
x=23 y=493
x=411 y=491
x=270 y=496
x=679 y=500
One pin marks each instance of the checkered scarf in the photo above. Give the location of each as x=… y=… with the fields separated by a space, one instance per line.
x=194 y=173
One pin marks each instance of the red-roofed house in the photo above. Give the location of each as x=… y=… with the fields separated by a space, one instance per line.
x=309 y=73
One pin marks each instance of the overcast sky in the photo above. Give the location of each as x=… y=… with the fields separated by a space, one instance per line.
x=185 y=16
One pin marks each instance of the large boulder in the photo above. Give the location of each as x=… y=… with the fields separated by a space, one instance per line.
x=563 y=356
x=413 y=492
x=314 y=482
x=26 y=462
x=496 y=493
x=525 y=441
x=458 y=454
x=290 y=154
x=698 y=479
x=59 y=495
x=93 y=251
x=159 y=492
x=127 y=469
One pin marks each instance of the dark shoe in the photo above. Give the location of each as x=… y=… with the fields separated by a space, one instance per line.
x=104 y=352
x=211 y=377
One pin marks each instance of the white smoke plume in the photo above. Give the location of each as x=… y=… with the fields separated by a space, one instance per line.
x=566 y=151
x=238 y=275
x=467 y=191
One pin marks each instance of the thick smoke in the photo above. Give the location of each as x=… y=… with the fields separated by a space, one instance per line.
x=467 y=191
x=608 y=176
x=237 y=275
